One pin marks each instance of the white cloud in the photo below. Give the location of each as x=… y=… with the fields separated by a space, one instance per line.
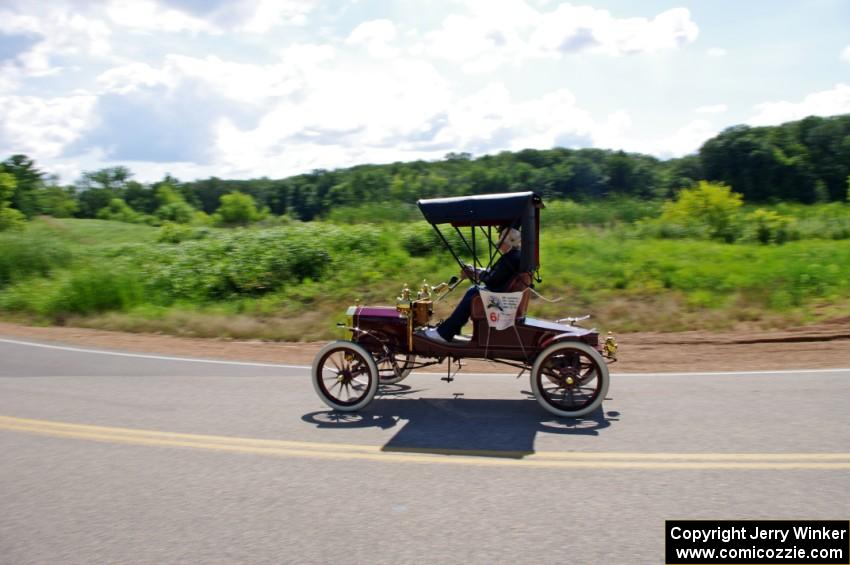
x=243 y=82
x=404 y=113
x=10 y=77
x=581 y=28
x=712 y=109
x=845 y=54
x=824 y=103
x=494 y=33
x=43 y=127
x=175 y=16
x=490 y=120
x=14 y=22
x=376 y=36
x=265 y=15
x=172 y=111
x=148 y=16
x=242 y=105
x=343 y=110
x=616 y=134
x=63 y=33
x=486 y=36
x=309 y=113
x=239 y=81
x=306 y=56
x=130 y=77
x=215 y=16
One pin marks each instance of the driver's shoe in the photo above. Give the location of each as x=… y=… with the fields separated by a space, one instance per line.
x=432 y=333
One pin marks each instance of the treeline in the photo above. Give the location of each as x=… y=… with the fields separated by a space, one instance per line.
x=805 y=161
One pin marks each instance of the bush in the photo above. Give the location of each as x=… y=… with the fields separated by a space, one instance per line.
x=373 y=213
x=11 y=219
x=710 y=208
x=25 y=256
x=119 y=211
x=236 y=209
x=768 y=226
x=252 y=262
x=179 y=212
x=352 y=239
x=609 y=211
x=176 y=233
x=419 y=239
x=97 y=290
x=819 y=221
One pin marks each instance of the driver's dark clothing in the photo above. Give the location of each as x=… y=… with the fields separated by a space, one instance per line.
x=496 y=280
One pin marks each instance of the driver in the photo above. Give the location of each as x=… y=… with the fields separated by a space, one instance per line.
x=495 y=280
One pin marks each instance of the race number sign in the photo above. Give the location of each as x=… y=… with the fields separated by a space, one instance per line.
x=500 y=308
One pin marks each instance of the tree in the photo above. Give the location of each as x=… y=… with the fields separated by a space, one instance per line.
x=807 y=160
x=140 y=197
x=236 y=209
x=56 y=201
x=172 y=206
x=28 y=179
x=97 y=189
x=166 y=194
x=113 y=179
x=9 y=217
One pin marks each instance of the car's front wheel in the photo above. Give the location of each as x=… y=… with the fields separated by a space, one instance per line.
x=345 y=376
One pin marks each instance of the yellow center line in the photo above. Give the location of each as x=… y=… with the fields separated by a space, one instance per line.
x=560 y=460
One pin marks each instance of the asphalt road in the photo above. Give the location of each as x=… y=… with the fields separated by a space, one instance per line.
x=135 y=459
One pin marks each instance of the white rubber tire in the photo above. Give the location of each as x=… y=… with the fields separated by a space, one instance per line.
x=372 y=387
x=603 y=375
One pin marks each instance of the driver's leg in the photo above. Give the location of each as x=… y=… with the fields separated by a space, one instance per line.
x=451 y=326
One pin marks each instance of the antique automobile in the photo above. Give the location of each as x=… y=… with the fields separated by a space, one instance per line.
x=568 y=364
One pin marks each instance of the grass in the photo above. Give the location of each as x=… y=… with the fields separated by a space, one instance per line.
x=293 y=282
x=685 y=284
x=87 y=234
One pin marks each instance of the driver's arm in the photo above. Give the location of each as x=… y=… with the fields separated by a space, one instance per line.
x=472 y=273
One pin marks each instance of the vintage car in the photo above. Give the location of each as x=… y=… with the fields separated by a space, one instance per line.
x=568 y=364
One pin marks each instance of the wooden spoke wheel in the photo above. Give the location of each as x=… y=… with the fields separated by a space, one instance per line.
x=570 y=379
x=345 y=376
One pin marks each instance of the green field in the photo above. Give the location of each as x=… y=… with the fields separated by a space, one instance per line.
x=293 y=281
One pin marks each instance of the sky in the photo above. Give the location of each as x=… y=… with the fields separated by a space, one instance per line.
x=274 y=88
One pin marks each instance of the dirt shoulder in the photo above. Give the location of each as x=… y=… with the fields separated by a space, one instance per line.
x=824 y=345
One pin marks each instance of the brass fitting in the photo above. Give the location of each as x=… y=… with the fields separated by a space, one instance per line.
x=610 y=348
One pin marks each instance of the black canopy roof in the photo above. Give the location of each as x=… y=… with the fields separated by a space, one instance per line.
x=480 y=210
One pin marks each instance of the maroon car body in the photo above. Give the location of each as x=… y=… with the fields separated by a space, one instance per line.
x=521 y=343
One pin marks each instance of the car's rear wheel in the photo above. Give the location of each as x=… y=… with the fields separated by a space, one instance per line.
x=570 y=379
x=395 y=367
x=345 y=376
